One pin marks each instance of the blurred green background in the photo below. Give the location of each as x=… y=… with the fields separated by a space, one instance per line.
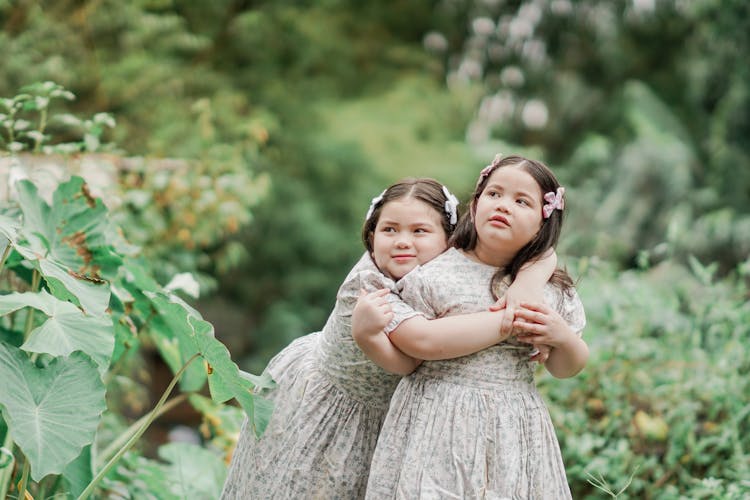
x=299 y=112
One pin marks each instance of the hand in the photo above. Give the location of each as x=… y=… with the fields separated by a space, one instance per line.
x=540 y=354
x=506 y=325
x=511 y=300
x=538 y=324
x=372 y=313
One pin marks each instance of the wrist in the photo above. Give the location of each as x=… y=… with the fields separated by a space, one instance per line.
x=568 y=342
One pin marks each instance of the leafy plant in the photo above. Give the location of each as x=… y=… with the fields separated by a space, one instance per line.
x=25 y=119
x=75 y=289
x=656 y=412
x=79 y=303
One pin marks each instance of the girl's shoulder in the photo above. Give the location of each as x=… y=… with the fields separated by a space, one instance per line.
x=434 y=267
x=451 y=266
x=364 y=275
x=450 y=258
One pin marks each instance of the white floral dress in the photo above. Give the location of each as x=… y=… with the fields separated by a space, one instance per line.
x=330 y=402
x=475 y=426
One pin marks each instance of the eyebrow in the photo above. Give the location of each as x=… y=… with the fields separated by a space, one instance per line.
x=397 y=223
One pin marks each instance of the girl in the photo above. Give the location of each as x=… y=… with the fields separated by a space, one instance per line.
x=330 y=400
x=475 y=427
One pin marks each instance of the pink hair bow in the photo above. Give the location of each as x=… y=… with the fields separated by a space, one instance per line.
x=554 y=201
x=486 y=171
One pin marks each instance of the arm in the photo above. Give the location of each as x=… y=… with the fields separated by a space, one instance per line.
x=418 y=338
x=528 y=287
x=540 y=324
x=448 y=337
x=529 y=283
x=369 y=317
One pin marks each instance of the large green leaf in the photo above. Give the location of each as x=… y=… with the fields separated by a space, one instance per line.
x=8 y=231
x=52 y=412
x=68 y=242
x=73 y=230
x=92 y=297
x=196 y=473
x=66 y=329
x=79 y=473
x=225 y=378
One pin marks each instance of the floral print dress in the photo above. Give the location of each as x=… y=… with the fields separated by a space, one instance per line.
x=330 y=401
x=475 y=426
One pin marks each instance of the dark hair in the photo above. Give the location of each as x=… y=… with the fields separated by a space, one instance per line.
x=423 y=189
x=465 y=236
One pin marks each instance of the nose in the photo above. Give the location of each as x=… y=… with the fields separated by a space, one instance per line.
x=403 y=241
x=503 y=205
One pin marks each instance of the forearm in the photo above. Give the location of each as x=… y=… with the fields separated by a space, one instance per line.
x=537 y=272
x=383 y=353
x=448 y=337
x=568 y=359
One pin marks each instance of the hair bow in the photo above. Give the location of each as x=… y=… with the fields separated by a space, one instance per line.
x=373 y=204
x=486 y=171
x=451 y=204
x=554 y=201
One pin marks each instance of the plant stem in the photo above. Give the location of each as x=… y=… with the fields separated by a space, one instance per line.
x=24 y=479
x=42 y=126
x=30 y=317
x=122 y=438
x=151 y=416
x=7 y=472
x=5 y=256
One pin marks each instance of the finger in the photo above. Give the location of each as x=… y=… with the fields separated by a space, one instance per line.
x=530 y=316
x=500 y=304
x=506 y=325
x=536 y=306
x=528 y=327
x=540 y=357
x=529 y=338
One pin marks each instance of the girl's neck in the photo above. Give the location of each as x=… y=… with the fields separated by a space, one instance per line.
x=491 y=257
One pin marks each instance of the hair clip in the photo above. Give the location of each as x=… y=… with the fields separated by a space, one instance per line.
x=486 y=171
x=374 y=203
x=554 y=201
x=451 y=205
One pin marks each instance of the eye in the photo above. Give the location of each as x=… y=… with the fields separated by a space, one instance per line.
x=388 y=229
x=420 y=230
x=524 y=201
x=492 y=193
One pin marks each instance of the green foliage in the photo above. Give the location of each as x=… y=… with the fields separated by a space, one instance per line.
x=658 y=402
x=56 y=381
x=185 y=471
x=32 y=106
x=38 y=411
x=641 y=108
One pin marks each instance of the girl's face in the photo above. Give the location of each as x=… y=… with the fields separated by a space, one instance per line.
x=507 y=215
x=409 y=232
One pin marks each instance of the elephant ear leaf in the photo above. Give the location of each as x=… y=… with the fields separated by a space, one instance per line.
x=52 y=412
x=70 y=242
x=66 y=329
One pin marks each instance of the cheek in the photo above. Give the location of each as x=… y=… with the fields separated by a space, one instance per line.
x=432 y=249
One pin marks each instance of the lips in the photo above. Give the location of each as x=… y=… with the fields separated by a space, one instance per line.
x=499 y=219
x=403 y=257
